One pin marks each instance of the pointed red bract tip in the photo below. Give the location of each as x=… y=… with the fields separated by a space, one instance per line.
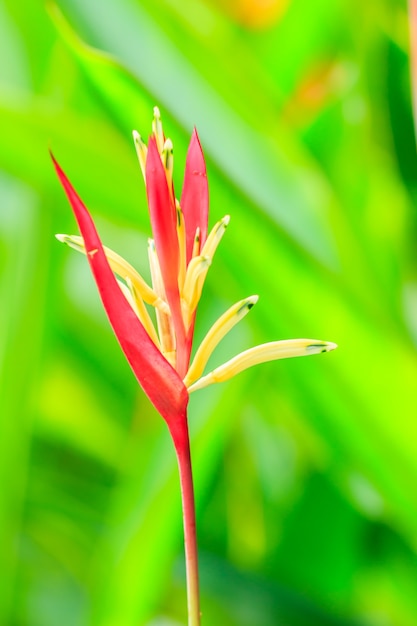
x=158 y=379
x=195 y=194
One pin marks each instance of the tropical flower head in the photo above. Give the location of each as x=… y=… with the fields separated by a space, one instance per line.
x=158 y=347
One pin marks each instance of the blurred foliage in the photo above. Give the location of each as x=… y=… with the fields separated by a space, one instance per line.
x=305 y=470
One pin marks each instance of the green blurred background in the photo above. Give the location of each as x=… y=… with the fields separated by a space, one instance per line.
x=305 y=469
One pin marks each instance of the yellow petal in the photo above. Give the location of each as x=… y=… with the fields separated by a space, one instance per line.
x=122 y=268
x=215 y=236
x=164 y=321
x=216 y=333
x=142 y=312
x=181 y=234
x=198 y=267
x=193 y=285
x=141 y=151
x=158 y=130
x=168 y=161
x=196 y=244
x=261 y=354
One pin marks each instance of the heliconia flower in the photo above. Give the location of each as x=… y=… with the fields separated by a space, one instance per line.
x=158 y=346
x=180 y=255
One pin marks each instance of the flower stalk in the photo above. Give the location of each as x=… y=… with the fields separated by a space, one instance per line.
x=183 y=453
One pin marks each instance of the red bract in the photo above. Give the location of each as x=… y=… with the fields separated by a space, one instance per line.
x=195 y=197
x=156 y=376
x=163 y=216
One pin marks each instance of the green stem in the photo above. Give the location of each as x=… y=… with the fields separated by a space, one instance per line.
x=190 y=537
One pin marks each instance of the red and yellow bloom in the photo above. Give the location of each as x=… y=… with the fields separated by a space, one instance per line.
x=180 y=255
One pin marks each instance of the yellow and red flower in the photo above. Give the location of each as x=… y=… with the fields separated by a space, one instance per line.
x=180 y=255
